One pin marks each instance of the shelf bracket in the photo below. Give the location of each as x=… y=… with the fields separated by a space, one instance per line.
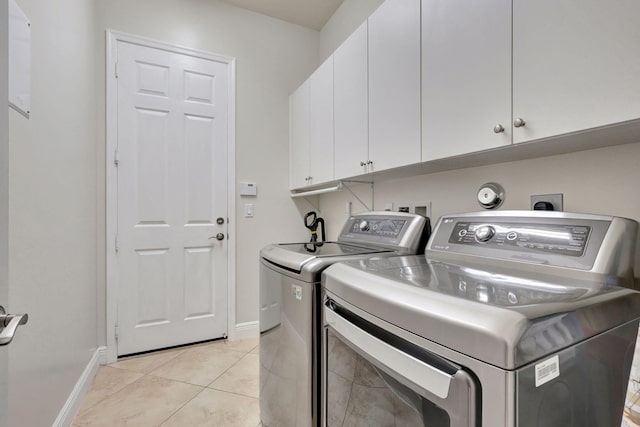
x=356 y=196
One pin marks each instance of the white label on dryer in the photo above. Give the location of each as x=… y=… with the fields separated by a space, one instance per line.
x=296 y=291
x=547 y=370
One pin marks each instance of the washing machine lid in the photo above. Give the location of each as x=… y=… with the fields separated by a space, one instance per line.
x=298 y=256
x=502 y=317
x=364 y=234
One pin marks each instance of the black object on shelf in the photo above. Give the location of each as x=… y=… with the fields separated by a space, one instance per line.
x=312 y=221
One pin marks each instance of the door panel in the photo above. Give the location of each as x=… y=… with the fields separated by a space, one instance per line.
x=351 y=87
x=394 y=84
x=466 y=76
x=299 y=134
x=575 y=65
x=200 y=296
x=321 y=143
x=172 y=185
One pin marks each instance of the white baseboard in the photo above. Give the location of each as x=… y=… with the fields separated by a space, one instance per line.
x=72 y=405
x=243 y=331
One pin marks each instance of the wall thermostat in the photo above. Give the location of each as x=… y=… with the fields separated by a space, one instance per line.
x=490 y=195
x=248 y=189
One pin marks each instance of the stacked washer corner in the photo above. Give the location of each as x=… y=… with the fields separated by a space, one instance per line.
x=510 y=319
x=290 y=346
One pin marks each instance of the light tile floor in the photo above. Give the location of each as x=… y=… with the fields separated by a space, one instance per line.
x=212 y=384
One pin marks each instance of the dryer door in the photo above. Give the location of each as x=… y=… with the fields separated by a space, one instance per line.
x=373 y=378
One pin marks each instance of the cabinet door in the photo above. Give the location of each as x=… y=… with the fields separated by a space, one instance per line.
x=299 y=136
x=321 y=123
x=394 y=84
x=351 y=105
x=466 y=76
x=576 y=65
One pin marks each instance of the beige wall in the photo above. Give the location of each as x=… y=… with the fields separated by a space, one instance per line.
x=52 y=213
x=273 y=58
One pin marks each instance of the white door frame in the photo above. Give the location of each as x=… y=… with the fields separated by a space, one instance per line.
x=112 y=179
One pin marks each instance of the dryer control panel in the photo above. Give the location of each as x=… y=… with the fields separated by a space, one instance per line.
x=595 y=243
x=570 y=240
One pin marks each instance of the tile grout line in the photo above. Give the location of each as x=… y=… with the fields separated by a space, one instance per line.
x=205 y=388
x=108 y=395
x=231 y=392
x=144 y=374
x=225 y=371
x=183 y=405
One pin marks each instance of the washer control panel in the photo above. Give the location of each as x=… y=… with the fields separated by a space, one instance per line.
x=380 y=227
x=597 y=243
x=566 y=239
x=403 y=232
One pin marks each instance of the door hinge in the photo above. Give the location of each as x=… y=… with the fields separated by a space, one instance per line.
x=117 y=244
x=116 y=69
x=117 y=331
x=116 y=160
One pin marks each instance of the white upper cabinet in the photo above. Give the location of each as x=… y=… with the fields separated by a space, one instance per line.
x=311 y=129
x=466 y=76
x=394 y=84
x=299 y=135
x=321 y=124
x=424 y=80
x=576 y=65
x=351 y=105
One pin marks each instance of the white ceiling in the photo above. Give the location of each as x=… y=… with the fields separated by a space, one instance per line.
x=308 y=13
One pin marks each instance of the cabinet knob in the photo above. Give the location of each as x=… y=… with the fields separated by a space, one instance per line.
x=498 y=128
x=362 y=163
x=369 y=162
x=519 y=122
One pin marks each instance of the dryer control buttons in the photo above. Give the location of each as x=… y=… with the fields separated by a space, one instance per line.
x=484 y=233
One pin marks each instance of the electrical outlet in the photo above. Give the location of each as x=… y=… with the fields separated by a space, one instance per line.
x=404 y=207
x=422 y=208
x=554 y=199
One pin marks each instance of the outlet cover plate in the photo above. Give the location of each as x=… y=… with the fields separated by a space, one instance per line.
x=554 y=199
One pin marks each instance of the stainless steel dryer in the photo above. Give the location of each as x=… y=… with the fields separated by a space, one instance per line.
x=290 y=308
x=510 y=319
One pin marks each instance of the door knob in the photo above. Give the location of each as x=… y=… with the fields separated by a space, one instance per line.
x=219 y=236
x=9 y=323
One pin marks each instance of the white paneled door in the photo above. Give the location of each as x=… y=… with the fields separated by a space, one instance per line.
x=171 y=245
